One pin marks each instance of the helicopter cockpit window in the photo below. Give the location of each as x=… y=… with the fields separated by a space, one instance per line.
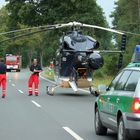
x=79 y=38
x=66 y=46
x=77 y=41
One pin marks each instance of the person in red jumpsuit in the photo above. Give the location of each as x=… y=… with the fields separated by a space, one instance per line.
x=3 y=77
x=35 y=69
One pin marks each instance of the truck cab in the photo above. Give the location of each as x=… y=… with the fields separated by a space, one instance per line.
x=13 y=62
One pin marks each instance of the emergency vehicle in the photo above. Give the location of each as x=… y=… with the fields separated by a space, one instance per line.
x=13 y=62
x=118 y=106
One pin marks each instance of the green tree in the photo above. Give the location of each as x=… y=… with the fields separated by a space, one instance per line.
x=43 y=12
x=3 y=24
x=126 y=17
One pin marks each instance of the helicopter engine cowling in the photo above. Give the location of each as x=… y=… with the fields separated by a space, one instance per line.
x=95 y=61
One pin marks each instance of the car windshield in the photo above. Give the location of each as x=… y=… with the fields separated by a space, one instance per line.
x=11 y=58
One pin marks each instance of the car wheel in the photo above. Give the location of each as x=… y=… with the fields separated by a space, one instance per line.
x=122 y=132
x=99 y=128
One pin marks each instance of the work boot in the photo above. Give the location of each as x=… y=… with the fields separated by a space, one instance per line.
x=36 y=94
x=3 y=96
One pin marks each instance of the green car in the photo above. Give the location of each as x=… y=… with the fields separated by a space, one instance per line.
x=118 y=108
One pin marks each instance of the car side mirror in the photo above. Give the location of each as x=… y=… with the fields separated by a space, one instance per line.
x=102 y=88
x=108 y=88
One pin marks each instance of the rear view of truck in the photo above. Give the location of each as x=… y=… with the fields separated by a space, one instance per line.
x=13 y=62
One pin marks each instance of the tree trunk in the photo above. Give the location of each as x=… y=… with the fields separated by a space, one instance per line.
x=30 y=56
x=41 y=59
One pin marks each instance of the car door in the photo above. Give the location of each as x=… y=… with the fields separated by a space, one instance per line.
x=104 y=99
x=127 y=94
x=115 y=98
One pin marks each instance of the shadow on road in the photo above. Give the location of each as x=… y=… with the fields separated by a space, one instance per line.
x=72 y=94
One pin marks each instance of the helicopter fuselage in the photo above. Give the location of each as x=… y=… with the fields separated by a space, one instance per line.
x=75 y=60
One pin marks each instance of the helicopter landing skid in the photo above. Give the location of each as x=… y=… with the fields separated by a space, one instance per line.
x=50 y=89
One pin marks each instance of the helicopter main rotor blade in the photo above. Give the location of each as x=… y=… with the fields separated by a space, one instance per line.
x=131 y=33
x=57 y=26
x=89 y=26
x=95 y=51
x=49 y=27
x=102 y=28
x=38 y=29
x=16 y=31
x=70 y=24
x=22 y=35
x=108 y=51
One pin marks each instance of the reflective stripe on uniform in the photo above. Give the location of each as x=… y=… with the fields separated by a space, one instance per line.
x=3 y=92
x=30 y=89
x=36 y=90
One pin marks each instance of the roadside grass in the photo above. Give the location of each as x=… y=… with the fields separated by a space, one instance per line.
x=106 y=80
x=97 y=80
x=49 y=73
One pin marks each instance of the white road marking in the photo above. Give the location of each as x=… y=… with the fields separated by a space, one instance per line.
x=20 y=91
x=72 y=133
x=13 y=85
x=35 y=103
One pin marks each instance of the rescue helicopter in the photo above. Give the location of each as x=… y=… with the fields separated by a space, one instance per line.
x=77 y=57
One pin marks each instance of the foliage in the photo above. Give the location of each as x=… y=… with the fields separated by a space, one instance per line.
x=30 y=13
x=3 y=24
x=126 y=17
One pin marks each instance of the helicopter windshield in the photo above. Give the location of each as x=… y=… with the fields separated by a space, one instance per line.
x=79 y=42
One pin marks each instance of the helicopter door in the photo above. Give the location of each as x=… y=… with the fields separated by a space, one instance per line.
x=66 y=66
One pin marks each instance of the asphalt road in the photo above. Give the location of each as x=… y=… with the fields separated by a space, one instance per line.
x=64 y=116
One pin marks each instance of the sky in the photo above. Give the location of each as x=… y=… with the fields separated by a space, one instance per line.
x=2 y=2
x=107 y=5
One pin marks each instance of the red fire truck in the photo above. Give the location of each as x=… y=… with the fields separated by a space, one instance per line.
x=13 y=62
